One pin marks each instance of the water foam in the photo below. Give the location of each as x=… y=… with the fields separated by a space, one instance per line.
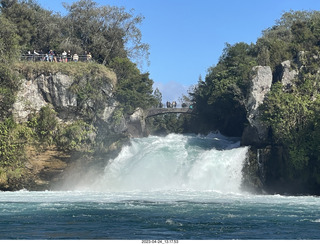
x=175 y=162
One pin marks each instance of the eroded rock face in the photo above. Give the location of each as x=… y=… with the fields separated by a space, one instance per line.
x=55 y=90
x=256 y=132
x=288 y=75
x=29 y=100
x=136 y=123
x=37 y=93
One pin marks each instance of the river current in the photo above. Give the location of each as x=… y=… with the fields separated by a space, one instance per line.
x=177 y=187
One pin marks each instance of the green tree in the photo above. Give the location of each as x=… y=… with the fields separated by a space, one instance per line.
x=23 y=15
x=9 y=47
x=158 y=96
x=45 y=125
x=133 y=88
x=219 y=99
x=106 y=31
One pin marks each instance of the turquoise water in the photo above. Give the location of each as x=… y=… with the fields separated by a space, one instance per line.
x=174 y=187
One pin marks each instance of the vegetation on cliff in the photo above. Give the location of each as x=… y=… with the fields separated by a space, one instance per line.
x=112 y=37
x=290 y=113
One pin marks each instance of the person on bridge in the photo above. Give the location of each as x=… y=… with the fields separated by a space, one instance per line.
x=174 y=104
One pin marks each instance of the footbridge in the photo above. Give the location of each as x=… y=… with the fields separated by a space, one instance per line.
x=136 y=122
x=158 y=111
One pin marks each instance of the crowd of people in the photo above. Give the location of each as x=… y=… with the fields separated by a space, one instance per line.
x=174 y=105
x=52 y=56
x=169 y=104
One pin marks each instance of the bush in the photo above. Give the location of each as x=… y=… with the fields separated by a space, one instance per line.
x=78 y=136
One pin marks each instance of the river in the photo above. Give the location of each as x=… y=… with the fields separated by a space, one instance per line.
x=177 y=187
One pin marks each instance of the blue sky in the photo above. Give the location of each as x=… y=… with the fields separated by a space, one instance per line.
x=186 y=37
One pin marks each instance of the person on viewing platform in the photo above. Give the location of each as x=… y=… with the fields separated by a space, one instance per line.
x=69 y=56
x=64 y=57
x=51 y=55
x=75 y=57
x=89 y=57
x=58 y=58
x=55 y=57
x=29 y=56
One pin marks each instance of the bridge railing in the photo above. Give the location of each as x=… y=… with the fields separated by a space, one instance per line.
x=159 y=111
x=48 y=58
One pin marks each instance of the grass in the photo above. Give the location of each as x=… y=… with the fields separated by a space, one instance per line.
x=31 y=70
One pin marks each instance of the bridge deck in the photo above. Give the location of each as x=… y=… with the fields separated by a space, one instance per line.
x=159 y=111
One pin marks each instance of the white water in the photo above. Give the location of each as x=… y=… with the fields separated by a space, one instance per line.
x=173 y=187
x=174 y=162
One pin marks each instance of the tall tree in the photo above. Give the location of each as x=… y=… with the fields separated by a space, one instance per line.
x=106 y=31
x=158 y=96
x=9 y=41
x=133 y=88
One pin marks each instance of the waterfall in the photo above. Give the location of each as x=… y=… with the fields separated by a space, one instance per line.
x=175 y=162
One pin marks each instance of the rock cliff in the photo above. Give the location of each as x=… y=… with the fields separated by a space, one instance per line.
x=63 y=93
x=56 y=89
x=262 y=155
x=256 y=133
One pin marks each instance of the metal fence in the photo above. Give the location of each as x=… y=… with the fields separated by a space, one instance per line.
x=55 y=58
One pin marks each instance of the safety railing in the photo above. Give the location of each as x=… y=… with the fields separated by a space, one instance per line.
x=55 y=58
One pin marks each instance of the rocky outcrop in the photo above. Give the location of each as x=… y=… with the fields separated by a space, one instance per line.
x=264 y=159
x=29 y=100
x=256 y=133
x=37 y=93
x=137 y=124
x=55 y=89
x=288 y=75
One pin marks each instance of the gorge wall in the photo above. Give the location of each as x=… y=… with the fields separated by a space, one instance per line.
x=264 y=157
x=62 y=93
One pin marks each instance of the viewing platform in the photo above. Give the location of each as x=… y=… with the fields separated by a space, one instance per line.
x=56 y=58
